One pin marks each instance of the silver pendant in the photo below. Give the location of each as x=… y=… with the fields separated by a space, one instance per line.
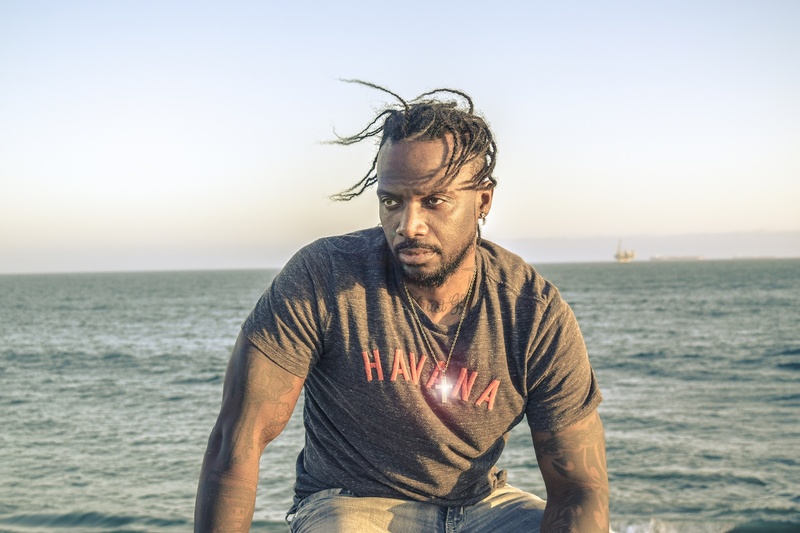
x=444 y=387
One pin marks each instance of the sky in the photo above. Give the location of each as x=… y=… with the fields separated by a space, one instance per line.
x=150 y=135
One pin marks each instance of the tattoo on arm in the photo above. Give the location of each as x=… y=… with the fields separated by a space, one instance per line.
x=229 y=501
x=268 y=394
x=582 y=453
x=573 y=464
x=276 y=387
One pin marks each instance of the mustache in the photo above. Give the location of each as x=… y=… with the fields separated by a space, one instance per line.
x=414 y=243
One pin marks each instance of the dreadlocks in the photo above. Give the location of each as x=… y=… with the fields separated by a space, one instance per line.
x=428 y=119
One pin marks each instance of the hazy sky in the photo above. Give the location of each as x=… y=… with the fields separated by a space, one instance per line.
x=155 y=135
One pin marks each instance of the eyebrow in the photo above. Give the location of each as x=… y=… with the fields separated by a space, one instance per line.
x=384 y=192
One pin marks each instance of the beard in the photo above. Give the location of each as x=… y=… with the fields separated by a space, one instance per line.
x=440 y=275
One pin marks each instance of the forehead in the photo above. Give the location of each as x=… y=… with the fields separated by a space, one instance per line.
x=420 y=166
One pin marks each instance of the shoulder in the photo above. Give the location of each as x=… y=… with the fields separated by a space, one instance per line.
x=361 y=246
x=369 y=240
x=510 y=273
x=321 y=272
x=366 y=241
x=342 y=260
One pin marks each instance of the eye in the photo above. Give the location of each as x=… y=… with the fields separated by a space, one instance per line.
x=434 y=201
x=389 y=202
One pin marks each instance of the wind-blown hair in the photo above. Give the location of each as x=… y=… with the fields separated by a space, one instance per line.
x=428 y=119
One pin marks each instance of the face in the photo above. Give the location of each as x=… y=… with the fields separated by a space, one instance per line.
x=430 y=227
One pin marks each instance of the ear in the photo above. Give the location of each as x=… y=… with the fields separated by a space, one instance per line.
x=483 y=201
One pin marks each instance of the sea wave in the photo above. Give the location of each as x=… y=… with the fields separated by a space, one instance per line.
x=107 y=523
x=771 y=526
x=656 y=525
x=89 y=521
x=788 y=351
x=701 y=478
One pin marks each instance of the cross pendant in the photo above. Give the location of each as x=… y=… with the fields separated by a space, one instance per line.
x=444 y=388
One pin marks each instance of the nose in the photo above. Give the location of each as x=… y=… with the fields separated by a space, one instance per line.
x=412 y=222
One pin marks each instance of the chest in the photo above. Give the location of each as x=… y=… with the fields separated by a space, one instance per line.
x=380 y=359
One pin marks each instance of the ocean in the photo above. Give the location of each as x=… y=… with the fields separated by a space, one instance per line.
x=110 y=384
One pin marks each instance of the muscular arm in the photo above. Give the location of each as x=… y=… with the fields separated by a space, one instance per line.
x=573 y=466
x=257 y=401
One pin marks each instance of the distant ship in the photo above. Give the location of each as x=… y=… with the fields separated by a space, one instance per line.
x=624 y=256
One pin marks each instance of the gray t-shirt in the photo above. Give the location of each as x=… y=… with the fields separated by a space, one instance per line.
x=375 y=419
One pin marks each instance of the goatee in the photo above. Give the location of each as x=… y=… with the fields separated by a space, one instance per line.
x=440 y=275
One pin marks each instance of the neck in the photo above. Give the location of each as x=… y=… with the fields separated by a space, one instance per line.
x=444 y=304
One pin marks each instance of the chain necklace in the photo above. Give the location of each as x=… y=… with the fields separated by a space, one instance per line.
x=443 y=380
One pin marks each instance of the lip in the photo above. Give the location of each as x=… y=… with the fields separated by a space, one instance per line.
x=415 y=256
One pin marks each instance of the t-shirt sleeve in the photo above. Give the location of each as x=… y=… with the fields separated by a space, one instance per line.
x=288 y=320
x=562 y=387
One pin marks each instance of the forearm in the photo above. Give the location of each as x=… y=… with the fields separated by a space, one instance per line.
x=226 y=495
x=573 y=465
x=258 y=400
x=577 y=510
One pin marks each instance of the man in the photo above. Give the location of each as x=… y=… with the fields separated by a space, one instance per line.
x=419 y=347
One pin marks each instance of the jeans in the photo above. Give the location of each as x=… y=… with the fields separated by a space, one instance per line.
x=506 y=510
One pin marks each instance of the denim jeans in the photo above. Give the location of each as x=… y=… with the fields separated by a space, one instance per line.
x=506 y=510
